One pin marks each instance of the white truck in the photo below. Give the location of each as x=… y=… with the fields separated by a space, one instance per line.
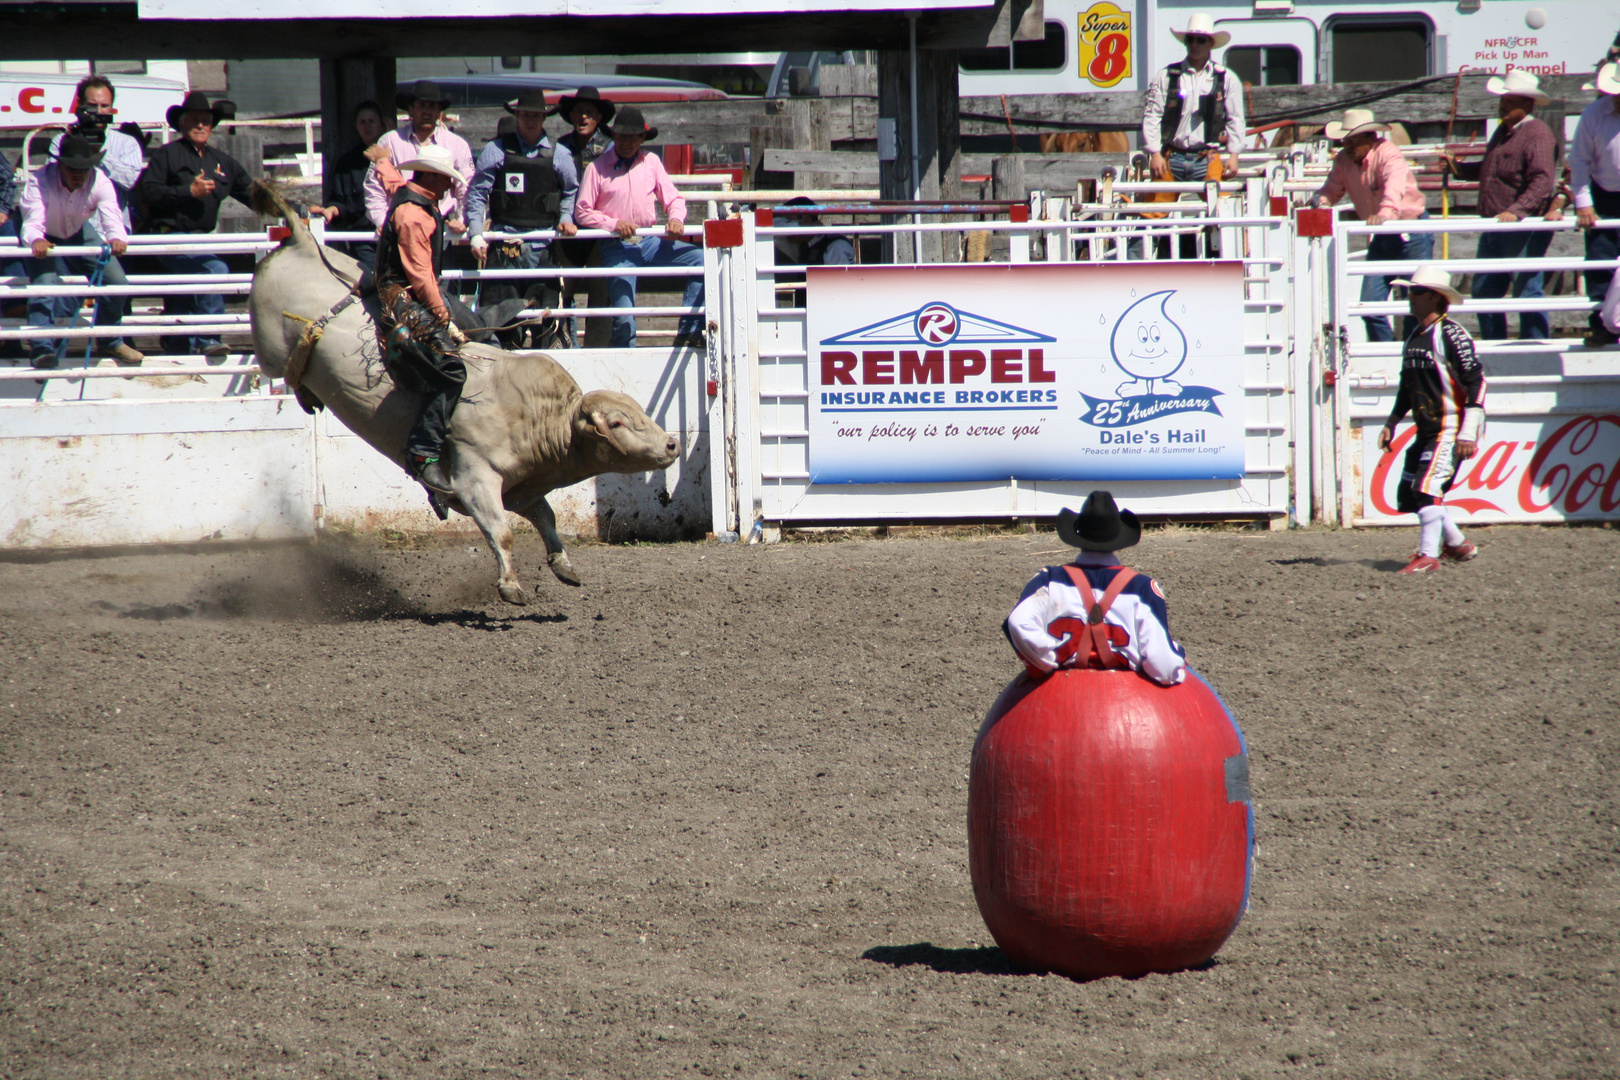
x=1093 y=45
x=41 y=95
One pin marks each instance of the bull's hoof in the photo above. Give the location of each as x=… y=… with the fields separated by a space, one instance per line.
x=512 y=594
x=563 y=569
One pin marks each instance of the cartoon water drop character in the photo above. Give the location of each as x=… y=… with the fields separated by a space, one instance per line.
x=1149 y=346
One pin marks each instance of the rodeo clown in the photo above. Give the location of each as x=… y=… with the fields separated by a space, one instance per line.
x=1096 y=612
x=414 y=322
x=1443 y=387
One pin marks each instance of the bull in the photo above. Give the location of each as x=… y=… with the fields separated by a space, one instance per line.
x=523 y=427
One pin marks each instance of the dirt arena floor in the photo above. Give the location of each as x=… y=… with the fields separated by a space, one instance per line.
x=334 y=811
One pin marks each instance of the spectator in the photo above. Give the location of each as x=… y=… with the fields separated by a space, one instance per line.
x=10 y=226
x=619 y=193
x=345 y=209
x=57 y=203
x=1381 y=188
x=181 y=191
x=424 y=104
x=586 y=111
x=1594 y=167
x=1516 y=181
x=523 y=184
x=1181 y=140
x=124 y=156
x=818 y=249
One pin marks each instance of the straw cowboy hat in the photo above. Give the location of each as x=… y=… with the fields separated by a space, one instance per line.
x=585 y=95
x=1355 y=122
x=1099 y=526
x=631 y=122
x=1608 y=79
x=1430 y=276
x=1519 y=83
x=531 y=100
x=75 y=153
x=197 y=101
x=1200 y=23
x=431 y=158
x=422 y=90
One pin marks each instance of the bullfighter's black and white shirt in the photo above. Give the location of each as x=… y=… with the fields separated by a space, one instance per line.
x=1442 y=384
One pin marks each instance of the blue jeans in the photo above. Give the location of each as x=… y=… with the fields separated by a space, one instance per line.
x=202 y=304
x=650 y=251
x=1601 y=244
x=1504 y=245
x=1188 y=166
x=48 y=310
x=1389 y=247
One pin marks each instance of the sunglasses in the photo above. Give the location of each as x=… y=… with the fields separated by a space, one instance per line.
x=1199 y=39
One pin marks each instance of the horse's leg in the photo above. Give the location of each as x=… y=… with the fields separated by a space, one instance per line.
x=479 y=492
x=540 y=514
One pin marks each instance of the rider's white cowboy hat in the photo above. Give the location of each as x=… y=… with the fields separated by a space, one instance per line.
x=1519 y=83
x=1200 y=23
x=433 y=158
x=1355 y=122
x=1430 y=276
x=1608 y=79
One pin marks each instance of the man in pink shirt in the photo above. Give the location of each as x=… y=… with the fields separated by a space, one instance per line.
x=620 y=193
x=1371 y=170
x=424 y=105
x=56 y=203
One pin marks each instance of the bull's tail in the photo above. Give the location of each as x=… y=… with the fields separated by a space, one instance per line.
x=268 y=201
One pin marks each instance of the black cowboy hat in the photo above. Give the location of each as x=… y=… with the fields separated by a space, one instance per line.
x=591 y=96
x=532 y=99
x=631 y=122
x=74 y=152
x=197 y=101
x=1099 y=526
x=422 y=90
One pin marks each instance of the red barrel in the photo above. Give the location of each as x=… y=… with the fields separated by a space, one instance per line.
x=1109 y=824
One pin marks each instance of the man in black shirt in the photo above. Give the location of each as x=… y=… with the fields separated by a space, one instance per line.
x=180 y=192
x=345 y=209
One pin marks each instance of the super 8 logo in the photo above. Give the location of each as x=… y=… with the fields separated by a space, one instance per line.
x=1572 y=469
x=1104 y=45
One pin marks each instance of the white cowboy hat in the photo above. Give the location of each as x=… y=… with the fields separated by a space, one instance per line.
x=1608 y=79
x=1430 y=276
x=1519 y=83
x=1199 y=23
x=433 y=158
x=1355 y=122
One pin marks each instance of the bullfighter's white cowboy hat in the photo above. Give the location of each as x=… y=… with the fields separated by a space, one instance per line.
x=1430 y=276
x=1355 y=122
x=1519 y=83
x=1608 y=79
x=1200 y=23
x=432 y=158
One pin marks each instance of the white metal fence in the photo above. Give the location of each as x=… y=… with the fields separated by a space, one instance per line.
x=1312 y=394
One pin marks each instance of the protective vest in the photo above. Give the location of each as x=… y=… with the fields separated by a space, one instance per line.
x=1211 y=105
x=594 y=148
x=527 y=193
x=390 y=268
x=1091 y=636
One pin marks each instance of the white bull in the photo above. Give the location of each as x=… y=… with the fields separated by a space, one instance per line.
x=522 y=429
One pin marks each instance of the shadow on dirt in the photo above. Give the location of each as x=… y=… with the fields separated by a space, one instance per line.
x=985 y=961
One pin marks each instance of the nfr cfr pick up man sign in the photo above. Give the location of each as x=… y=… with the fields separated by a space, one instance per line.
x=1089 y=372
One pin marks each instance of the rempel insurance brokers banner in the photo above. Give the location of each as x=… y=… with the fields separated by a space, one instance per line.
x=1106 y=371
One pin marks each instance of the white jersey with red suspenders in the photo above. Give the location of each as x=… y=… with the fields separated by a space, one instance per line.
x=1095 y=613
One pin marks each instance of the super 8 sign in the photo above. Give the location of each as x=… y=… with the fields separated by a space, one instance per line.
x=1104 y=38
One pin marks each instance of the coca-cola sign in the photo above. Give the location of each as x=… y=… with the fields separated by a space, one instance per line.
x=1548 y=469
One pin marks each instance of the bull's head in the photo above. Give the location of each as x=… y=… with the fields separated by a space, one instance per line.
x=619 y=435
